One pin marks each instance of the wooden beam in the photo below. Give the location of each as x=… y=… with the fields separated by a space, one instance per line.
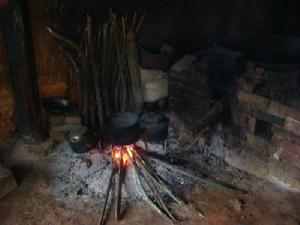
x=20 y=56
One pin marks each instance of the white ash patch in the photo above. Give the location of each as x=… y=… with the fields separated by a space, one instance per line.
x=73 y=180
x=153 y=147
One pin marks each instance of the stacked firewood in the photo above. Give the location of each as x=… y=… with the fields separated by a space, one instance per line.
x=107 y=74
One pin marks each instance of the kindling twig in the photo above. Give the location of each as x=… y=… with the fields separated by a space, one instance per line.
x=146 y=196
x=107 y=195
x=203 y=179
x=119 y=189
x=64 y=39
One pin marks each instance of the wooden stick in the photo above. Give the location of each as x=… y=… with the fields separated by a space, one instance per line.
x=146 y=197
x=64 y=39
x=107 y=195
x=152 y=184
x=77 y=74
x=119 y=188
x=139 y=25
x=163 y=185
x=203 y=179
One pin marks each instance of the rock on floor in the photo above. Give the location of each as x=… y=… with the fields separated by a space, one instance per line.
x=7 y=182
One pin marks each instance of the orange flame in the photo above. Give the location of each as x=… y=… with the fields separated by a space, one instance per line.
x=120 y=153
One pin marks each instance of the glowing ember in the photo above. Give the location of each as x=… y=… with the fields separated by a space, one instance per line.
x=121 y=154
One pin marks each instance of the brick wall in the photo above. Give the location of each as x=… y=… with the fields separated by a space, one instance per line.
x=269 y=125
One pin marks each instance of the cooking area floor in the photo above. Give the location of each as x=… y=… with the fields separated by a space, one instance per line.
x=37 y=202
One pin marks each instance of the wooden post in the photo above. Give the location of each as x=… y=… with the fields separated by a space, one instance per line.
x=20 y=56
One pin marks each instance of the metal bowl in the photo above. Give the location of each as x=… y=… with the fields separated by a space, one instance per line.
x=155 y=126
x=57 y=105
x=77 y=139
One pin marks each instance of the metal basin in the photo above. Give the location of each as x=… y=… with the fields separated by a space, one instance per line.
x=57 y=105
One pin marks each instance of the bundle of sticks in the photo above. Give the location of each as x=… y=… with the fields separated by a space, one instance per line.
x=106 y=67
x=149 y=183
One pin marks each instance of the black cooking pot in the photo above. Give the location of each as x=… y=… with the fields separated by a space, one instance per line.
x=77 y=139
x=155 y=126
x=123 y=129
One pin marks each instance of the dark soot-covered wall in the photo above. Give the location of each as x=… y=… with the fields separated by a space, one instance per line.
x=187 y=24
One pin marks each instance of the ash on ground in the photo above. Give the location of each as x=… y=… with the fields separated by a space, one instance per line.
x=73 y=180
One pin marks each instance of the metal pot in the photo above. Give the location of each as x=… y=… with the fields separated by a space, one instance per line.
x=123 y=129
x=57 y=105
x=77 y=139
x=155 y=126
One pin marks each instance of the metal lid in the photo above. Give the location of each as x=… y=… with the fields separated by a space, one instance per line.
x=76 y=133
x=151 y=118
x=123 y=120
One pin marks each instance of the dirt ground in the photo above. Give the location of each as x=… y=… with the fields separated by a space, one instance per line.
x=264 y=204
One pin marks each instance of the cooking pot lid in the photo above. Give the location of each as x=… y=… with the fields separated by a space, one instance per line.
x=123 y=120
x=77 y=132
x=151 y=118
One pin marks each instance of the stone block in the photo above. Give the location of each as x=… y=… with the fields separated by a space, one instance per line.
x=248 y=85
x=251 y=124
x=247 y=162
x=292 y=125
x=252 y=101
x=58 y=133
x=284 y=175
x=263 y=116
x=72 y=118
x=7 y=182
x=260 y=145
x=283 y=111
x=287 y=152
x=281 y=133
x=55 y=120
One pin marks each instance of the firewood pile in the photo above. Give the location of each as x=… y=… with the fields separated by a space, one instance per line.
x=107 y=74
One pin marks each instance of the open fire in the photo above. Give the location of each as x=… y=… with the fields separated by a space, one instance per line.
x=121 y=155
x=151 y=185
